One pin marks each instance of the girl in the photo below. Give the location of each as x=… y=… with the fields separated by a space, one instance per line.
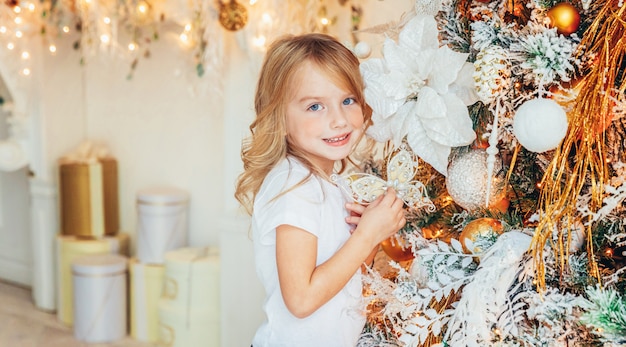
x=310 y=115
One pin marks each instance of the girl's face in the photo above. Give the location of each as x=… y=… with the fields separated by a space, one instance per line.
x=323 y=119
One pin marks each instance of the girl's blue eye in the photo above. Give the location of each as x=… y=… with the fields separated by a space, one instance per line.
x=349 y=101
x=315 y=107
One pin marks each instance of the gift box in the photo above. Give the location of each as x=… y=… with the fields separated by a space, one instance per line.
x=146 y=288
x=161 y=222
x=189 y=309
x=99 y=297
x=88 y=184
x=68 y=248
x=187 y=327
x=192 y=276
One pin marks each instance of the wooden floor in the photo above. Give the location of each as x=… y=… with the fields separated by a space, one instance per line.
x=23 y=325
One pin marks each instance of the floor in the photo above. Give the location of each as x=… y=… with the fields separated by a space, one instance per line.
x=23 y=325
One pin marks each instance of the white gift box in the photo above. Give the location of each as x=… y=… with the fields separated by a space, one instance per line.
x=100 y=297
x=192 y=277
x=189 y=310
x=161 y=222
x=187 y=327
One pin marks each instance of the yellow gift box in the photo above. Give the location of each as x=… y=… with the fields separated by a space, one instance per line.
x=69 y=248
x=146 y=287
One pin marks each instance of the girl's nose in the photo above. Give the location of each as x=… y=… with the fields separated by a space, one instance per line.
x=338 y=119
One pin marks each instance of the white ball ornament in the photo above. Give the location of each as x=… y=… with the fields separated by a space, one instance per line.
x=540 y=125
x=467 y=180
x=362 y=50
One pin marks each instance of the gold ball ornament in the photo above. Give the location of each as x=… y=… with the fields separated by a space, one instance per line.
x=397 y=248
x=233 y=16
x=481 y=228
x=564 y=17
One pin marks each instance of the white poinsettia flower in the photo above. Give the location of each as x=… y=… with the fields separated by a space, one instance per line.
x=420 y=91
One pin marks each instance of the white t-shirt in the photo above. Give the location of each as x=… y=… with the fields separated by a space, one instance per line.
x=318 y=207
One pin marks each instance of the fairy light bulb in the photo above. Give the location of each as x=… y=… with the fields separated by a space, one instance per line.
x=26 y=71
x=252 y=2
x=142 y=7
x=52 y=48
x=17 y=9
x=132 y=46
x=66 y=29
x=3 y=29
x=106 y=20
x=324 y=21
x=31 y=7
x=18 y=20
x=184 y=37
x=259 y=41
x=266 y=18
x=10 y=46
x=187 y=27
x=25 y=55
x=19 y=34
x=105 y=38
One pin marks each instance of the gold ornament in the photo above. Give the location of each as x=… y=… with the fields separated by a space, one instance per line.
x=482 y=228
x=564 y=17
x=397 y=248
x=233 y=16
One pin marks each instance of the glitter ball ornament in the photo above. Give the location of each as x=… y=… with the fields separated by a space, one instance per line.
x=564 y=17
x=479 y=234
x=233 y=16
x=467 y=180
x=492 y=72
x=397 y=248
x=540 y=125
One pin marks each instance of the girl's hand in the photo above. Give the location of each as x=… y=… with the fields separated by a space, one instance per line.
x=379 y=220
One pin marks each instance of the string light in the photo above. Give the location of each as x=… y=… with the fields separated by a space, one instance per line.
x=10 y=46
x=66 y=29
x=18 y=34
x=3 y=29
x=132 y=46
x=324 y=21
x=52 y=48
x=259 y=41
x=26 y=71
x=142 y=7
x=25 y=55
x=106 y=20
x=104 y=38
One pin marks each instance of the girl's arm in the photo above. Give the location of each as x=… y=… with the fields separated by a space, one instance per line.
x=304 y=286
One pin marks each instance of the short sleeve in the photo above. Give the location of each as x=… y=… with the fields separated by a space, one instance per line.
x=300 y=207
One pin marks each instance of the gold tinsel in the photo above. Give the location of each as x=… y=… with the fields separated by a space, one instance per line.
x=581 y=158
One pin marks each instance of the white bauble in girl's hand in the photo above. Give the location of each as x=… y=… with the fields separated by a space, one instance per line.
x=540 y=124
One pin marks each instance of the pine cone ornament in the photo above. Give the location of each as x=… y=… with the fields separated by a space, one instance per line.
x=492 y=74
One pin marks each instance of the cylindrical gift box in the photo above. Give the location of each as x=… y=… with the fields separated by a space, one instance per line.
x=89 y=197
x=161 y=222
x=189 y=310
x=146 y=287
x=99 y=297
x=68 y=249
x=185 y=327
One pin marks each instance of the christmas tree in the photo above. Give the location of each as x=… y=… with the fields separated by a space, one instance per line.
x=503 y=124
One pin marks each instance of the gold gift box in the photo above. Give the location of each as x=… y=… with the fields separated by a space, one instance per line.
x=89 y=197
